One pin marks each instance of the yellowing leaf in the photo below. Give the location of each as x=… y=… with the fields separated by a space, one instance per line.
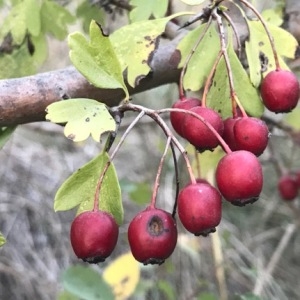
x=203 y=58
x=135 y=43
x=80 y=187
x=84 y=117
x=123 y=275
x=96 y=60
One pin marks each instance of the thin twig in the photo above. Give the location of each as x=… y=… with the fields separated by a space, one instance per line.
x=102 y=175
x=157 y=179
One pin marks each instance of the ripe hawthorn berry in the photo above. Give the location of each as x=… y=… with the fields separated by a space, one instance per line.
x=228 y=133
x=176 y=118
x=251 y=134
x=239 y=177
x=287 y=187
x=94 y=235
x=280 y=91
x=200 y=208
x=152 y=236
x=197 y=133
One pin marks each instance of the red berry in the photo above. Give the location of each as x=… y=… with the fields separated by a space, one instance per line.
x=94 y=235
x=228 y=133
x=176 y=118
x=288 y=188
x=197 y=133
x=200 y=208
x=152 y=236
x=239 y=177
x=251 y=134
x=280 y=91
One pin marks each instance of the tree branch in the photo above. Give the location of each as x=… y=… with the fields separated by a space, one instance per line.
x=24 y=100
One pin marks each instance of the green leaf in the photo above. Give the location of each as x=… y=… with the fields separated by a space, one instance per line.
x=207 y=52
x=97 y=60
x=218 y=97
x=249 y=296
x=273 y=16
x=55 y=19
x=292 y=118
x=193 y=2
x=141 y=193
x=80 y=188
x=2 y=240
x=5 y=134
x=86 y=284
x=64 y=295
x=84 y=117
x=88 y=12
x=32 y=17
x=206 y=296
x=143 y=10
x=167 y=289
x=135 y=43
x=259 y=45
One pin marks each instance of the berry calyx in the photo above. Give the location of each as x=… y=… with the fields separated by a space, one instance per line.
x=251 y=134
x=287 y=187
x=176 y=118
x=152 y=236
x=197 y=133
x=94 y=235
x=280 y=91
x=239 y=177
x=200 y=208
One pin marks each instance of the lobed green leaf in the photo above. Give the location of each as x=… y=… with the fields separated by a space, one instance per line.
x=203 y=58
x=84 y=117
x=219 y=97
x=55 y=19
x=79 y=189
x=96 y=59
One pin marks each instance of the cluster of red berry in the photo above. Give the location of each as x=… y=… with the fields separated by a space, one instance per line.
x=152 y=234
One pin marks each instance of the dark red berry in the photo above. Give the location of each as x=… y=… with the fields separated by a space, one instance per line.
x=200 y=208
x=280 y=91
x=152 y=236
x=239 y=177
x=251 y=134
x=228 y=133
x=288 y=188
x=197 y=133
x=94 y=235
x=176 y=118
